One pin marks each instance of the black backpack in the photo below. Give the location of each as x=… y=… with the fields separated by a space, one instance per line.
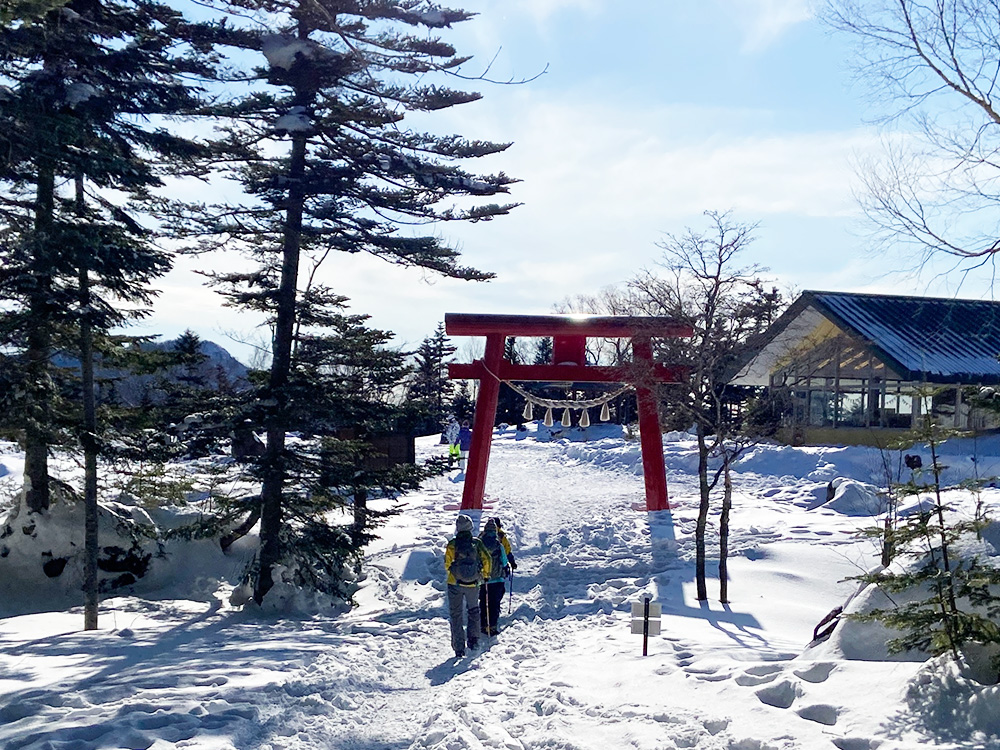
x=491 y=540
x=467 y=567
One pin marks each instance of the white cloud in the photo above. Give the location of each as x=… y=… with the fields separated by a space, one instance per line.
x=765 y=21
x=614 y=163
x=602 y=182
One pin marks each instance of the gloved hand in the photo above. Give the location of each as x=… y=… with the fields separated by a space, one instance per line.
x=513 y=565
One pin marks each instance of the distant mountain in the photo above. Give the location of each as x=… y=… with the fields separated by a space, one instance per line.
x=217 y=358
x=219 y=371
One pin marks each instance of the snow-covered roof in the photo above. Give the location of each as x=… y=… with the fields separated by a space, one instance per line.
x=924 y=339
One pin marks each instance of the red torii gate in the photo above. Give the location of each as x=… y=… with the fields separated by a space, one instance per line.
x=569 y=335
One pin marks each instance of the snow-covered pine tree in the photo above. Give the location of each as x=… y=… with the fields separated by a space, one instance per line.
x=462 y=403
x=191 y=404
x=332 y=167
x=341 y=398
x=349 y=381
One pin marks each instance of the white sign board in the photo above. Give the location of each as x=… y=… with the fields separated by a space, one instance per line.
x=654 y=627
x=646 y=620
x=655 y=610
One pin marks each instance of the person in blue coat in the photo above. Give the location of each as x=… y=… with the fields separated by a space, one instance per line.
x=464 y=443
x=501 y=563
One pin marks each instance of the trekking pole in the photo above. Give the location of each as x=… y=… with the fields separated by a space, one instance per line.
x=510 y=592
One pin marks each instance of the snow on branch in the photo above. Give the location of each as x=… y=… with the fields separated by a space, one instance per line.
x=284 y=52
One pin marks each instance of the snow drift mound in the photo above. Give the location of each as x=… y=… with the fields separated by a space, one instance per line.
x=853 y=498
x=42 y=556
x=818 y=463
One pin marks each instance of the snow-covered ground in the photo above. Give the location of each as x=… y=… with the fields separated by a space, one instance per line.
x=185 y=669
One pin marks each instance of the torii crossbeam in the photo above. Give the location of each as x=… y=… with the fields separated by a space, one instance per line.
x=569 y=335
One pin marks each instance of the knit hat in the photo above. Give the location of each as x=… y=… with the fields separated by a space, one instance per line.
x=464 y=523
x=493 y=524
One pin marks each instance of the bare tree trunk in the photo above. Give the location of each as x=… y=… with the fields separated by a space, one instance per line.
x=89 y=441
x=273 y=484
x=36 y=440
x=703 y=506
x=727 y=504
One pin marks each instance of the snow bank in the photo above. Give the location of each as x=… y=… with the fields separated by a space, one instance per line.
x=42 y=557
x=817 y=463
x=853 y=498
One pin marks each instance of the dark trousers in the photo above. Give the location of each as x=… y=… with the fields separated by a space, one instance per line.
x=463 y=603
x=490 y=602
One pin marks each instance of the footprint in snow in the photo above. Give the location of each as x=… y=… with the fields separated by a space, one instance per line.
x=855 y=743
x=751 y=680
x=759 y=675
x=818 y=672
x=780 y=695
x=821 y=713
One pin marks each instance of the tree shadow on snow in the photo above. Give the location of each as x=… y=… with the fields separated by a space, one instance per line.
x=554 y=590
x=675 y=573
x=132 y=680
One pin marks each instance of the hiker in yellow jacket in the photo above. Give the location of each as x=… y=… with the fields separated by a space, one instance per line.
x=468 y=565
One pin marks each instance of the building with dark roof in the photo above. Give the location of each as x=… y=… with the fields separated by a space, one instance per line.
x=856 y=367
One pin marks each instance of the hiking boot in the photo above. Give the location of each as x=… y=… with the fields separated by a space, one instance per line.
x=473 y=645
x=459 y=654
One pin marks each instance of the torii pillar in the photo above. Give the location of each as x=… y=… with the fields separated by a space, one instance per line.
x=569 y=336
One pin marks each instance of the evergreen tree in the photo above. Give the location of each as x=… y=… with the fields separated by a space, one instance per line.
x=543 y=351
x=189 y=400
x=85 y=81
x=949 y=596
x=341 y=77
x=182 y=381
x=332 y=168
x=190 y=356
x=510 y=406
x=463 y=404
x=340 y=399
x=430 y=387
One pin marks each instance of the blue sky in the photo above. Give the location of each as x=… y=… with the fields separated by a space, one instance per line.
x=649 y=113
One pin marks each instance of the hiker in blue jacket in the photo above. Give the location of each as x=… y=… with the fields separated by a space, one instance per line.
x=501 y=563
